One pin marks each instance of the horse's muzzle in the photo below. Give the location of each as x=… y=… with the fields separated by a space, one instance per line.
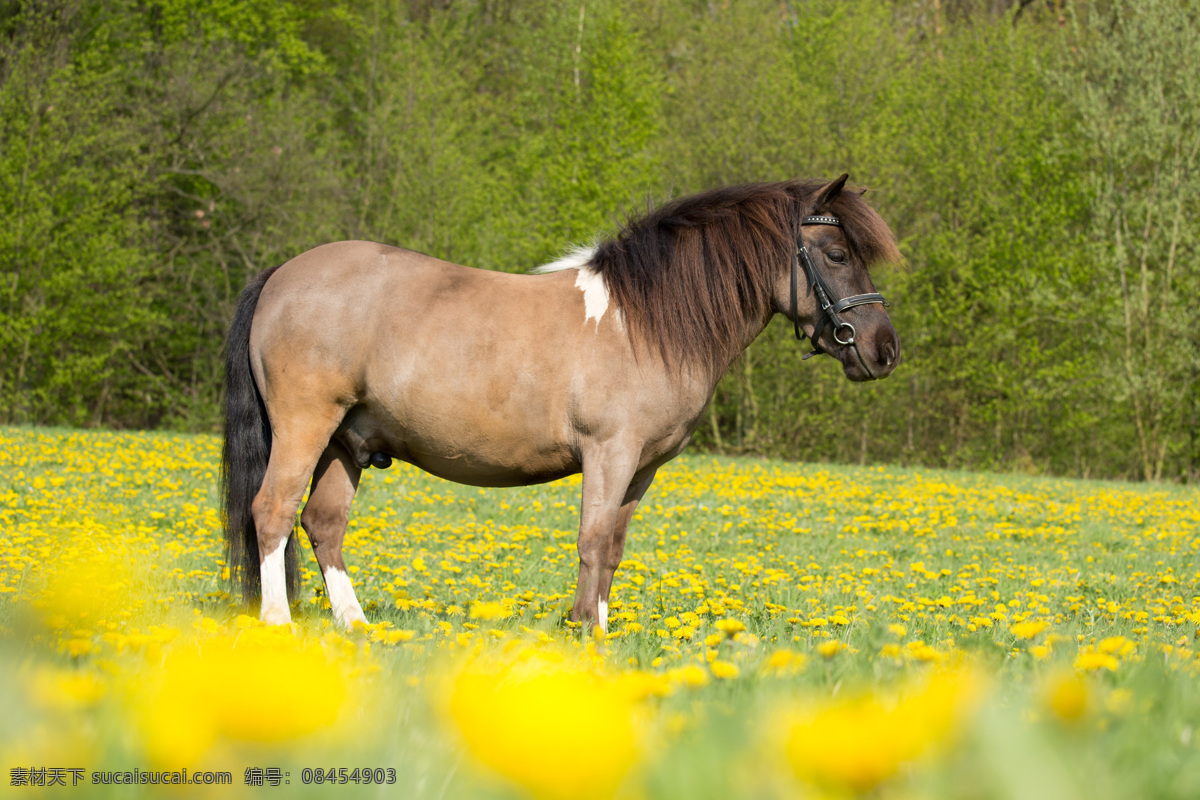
x=873 y=356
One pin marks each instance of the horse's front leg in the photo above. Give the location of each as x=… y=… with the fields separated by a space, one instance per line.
x=616 y=548
x=607 y=473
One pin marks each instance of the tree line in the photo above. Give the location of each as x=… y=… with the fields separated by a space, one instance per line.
x=1038 y=161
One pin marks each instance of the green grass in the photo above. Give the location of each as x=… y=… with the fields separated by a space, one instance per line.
x=910 y=570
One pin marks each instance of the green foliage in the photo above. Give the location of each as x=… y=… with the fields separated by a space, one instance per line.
x=992 y=204
x=70 y=306
x=1132 y=80
x=1039 y=167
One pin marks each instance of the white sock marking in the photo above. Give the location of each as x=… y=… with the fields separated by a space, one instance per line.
x=603 y=607
x=273 y=576
x=346 y=610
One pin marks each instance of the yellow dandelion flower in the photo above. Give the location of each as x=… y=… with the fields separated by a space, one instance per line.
x=78 y=646
x=1027 y=630
x=691 y=676
x=858 y=743
x=392 y=636
x=920 y=651
x=488 y=611
x=1065 y=696
x=784 y=662
x=65 y=689
x=258 y=691
x=724 y=670
x=1116 y=646
x=684 y=632
x=1090 y=661
x=640 y=685
x=830 y=648
x=530 y=720
x=729 y=627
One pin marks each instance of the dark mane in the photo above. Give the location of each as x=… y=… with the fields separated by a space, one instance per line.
x=690 y=276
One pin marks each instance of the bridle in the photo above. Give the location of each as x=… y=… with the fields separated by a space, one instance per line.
x=843 y=331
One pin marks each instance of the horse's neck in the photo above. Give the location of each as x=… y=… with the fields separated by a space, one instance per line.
x=752 y=329
x=754 y=324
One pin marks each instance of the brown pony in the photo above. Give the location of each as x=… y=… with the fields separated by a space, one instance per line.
x=356 y=353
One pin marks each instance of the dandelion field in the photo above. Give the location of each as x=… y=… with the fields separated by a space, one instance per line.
x=776 y=630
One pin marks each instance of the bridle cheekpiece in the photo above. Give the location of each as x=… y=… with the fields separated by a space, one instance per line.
x=843 y=331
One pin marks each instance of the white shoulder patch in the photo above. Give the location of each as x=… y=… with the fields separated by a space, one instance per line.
x=595 y=294
x=588 y=281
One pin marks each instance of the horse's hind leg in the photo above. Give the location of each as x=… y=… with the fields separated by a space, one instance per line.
x=324 y=519
x=297 y=444
x=616 y=548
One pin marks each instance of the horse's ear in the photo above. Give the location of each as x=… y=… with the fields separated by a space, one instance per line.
x=828 y=192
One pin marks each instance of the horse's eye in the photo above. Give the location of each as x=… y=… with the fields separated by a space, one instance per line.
x=836 y=255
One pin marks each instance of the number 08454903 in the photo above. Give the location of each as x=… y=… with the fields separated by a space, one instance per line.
x=345 y=775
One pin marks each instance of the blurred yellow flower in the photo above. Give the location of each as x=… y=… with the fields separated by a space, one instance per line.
x=86 y=586
x=858 y=743
x=691 y=676
x=1065 y=696
x=1028 y=630
x=784 y=662
x=1117 y=646
x=65 y=689
x=830 y=648
x=729 y=627
x=488 y=611
x=640 y=685
x=1090 y=661
x=238 y=690
x=546 y=723
x=392 y=636
x=724 y=669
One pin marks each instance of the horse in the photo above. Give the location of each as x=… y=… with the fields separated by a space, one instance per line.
x=355 y=353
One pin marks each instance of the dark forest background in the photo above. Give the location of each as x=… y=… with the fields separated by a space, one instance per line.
x=1038 y=160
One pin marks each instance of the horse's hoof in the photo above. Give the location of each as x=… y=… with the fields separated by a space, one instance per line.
x=348 y=620
x=381 y=460
x=276 y=616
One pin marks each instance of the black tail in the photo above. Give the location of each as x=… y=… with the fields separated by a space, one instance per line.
x=247 y=449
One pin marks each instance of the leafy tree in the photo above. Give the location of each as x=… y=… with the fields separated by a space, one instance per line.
x=1131 y=75
x=72 y=304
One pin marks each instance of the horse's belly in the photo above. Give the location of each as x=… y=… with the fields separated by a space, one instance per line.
x=476 y=451
x=470 y=469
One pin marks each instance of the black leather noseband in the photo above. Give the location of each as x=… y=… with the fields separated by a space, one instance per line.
x=843 y=331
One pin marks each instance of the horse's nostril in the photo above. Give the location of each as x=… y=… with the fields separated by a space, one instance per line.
x=887 y=354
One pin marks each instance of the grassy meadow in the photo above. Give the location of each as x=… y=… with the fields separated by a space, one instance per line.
x=776 y=630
